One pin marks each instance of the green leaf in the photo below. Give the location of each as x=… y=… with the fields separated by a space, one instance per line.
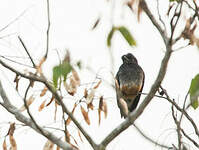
x=56 y=75
x=127 y=35
x=61 y=70
x=194 y=104
x=194 y=91
x=110 y=35
x=65 y=69
x=174 y=0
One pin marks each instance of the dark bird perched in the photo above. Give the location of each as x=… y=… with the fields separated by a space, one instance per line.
x=129 y=84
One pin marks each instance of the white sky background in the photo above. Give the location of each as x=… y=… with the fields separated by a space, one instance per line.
x=71 y=22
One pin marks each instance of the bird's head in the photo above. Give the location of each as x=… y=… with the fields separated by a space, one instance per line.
x=129 y=58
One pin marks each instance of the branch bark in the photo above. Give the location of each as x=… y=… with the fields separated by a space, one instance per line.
x=19 y=116
x=134 y=115
x=43 y=80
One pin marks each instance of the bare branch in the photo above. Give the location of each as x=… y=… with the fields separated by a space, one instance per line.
x=190 y=139
x=11 y=22
x=150 y=139
x=57 y=97
x=178 y=128
x=24 y=46
x=30 y=115
x=11 y=60
x=183 y=111
x=153 y=20
x=48 y=28
x=158 y=9
x=19 y=116
x=176 y=15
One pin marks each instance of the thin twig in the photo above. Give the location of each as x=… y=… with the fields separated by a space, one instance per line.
x=28 y=111
x=25 y=48
x=150 y=139
x=153 y=20
x=48 y=29
x=160 y=18
x=19 y=116
x=189 y=138
x=4 y=57
x=11 y=22
x=178 y=128
x=183 y=111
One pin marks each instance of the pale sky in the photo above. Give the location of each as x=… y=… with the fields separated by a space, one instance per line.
x=71 y=23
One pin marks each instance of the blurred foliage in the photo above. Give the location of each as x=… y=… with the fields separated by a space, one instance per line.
x=194 y=91
x=61 y=70
x=125 y=33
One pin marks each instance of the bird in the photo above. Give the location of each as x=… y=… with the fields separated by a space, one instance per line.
x=129 y=82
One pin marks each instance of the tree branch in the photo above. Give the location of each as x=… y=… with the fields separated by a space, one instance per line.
x=183 y=111
x=150 y=139
x=19 y=116
x=154 y=21
x=24 y=46
x=57 y=97
x=48 y=29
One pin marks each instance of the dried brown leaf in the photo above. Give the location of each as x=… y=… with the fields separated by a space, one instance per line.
x=95 y=87
x=67 y=136
x=39 y=69
x=90 y=106
x=16 y=80
x=67 y=56
x=139 y=10
x=71 y=88
x=51 y=100
x=58 y=148
x=193 y=28
x=31 y=83
x=11 y=129
x=75 y=141
x=28 y=102
x=4 y=144
x=12 y=143
x=130 y=4
x=105 y=109
x=79 y=134
x=48 y=145
x=99 y=114
x=73 y=83
x=85 y=115
x=90 y=96
x=69 y=119
x=76 y=77
x=43 y=92
x=85 y=93
x=101 y=103
x=75 y=147
x=41 y=107
x=100 y=108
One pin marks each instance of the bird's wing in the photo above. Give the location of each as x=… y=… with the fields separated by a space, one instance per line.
x=120 y=101
x=137 y=98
